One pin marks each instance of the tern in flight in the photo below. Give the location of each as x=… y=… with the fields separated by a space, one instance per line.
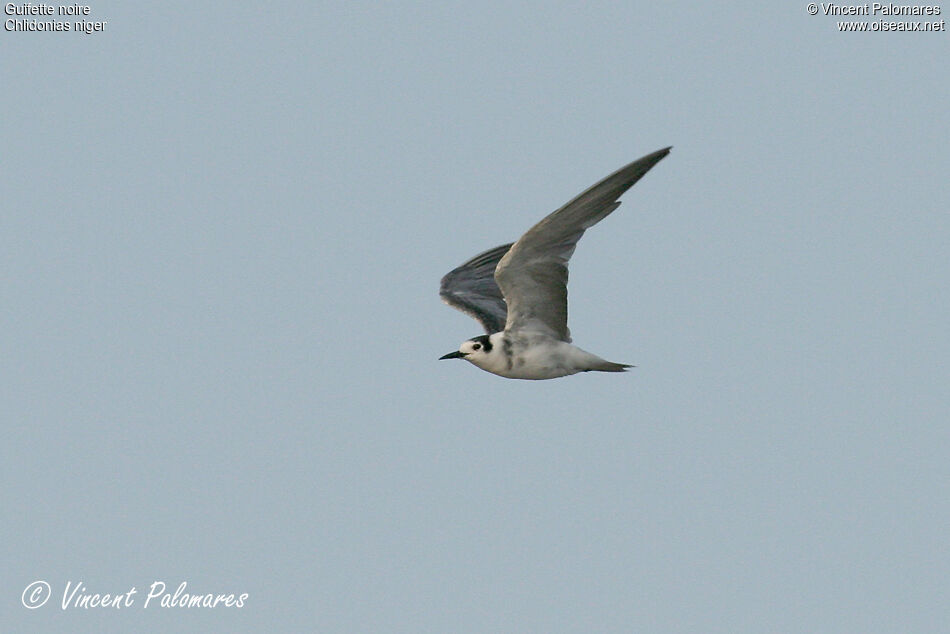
x=519 y=291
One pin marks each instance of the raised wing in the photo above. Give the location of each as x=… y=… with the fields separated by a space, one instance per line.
x=472 y=289
x=532 y=275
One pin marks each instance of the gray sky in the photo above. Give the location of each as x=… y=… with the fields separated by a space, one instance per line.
x=222 y=234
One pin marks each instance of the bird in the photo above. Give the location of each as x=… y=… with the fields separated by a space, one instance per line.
x=518 y=291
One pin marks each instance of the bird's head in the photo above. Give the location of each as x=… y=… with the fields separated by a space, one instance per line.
x=475 y=350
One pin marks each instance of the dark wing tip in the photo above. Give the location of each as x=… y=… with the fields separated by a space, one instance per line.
x=471 y=288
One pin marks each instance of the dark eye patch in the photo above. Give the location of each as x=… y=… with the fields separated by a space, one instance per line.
x=477 y=346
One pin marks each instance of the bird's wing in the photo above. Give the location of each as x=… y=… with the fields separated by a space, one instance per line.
x=472 y=289
x=533 y=273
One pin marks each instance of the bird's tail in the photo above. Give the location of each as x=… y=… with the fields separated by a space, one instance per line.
x=608 y=366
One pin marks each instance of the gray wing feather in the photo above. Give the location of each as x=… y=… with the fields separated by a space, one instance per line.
x=472 y=289
x=532 y=275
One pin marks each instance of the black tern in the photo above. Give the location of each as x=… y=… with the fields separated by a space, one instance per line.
x=518 y=291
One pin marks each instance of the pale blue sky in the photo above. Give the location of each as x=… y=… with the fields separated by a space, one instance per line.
x=222 y=234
